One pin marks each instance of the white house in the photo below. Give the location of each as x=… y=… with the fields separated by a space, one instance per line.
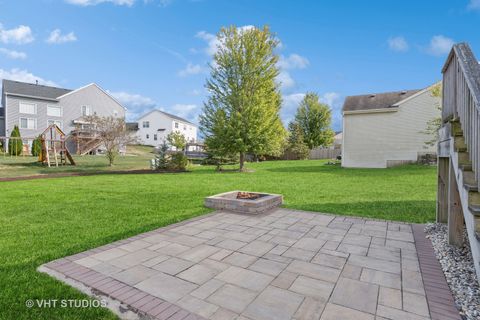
x=387 y=129
x=154 y=127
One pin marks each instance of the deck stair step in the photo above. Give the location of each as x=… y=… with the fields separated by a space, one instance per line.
x=466 y=167
x=474 y=209
x=463 y=158
x=459 y=144
x=473 y=198
x=456 y=128
x=469 y=181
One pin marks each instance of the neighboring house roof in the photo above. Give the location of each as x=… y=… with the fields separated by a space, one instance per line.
x=377 y=100
x=32 y=90
x=168 y=115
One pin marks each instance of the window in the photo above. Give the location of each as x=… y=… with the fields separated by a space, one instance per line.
x=146 y=124
x=57 y=122
x=86 y=111
x=176 y=125
x=155 y=137
x=28 y=123
x=148 y=136
x=54 y=111
x=28 y=108
x=115 y=113
x=184 y=127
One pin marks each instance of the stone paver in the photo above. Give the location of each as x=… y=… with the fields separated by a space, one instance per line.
x=356 y=295
x=274 y=304
x=284 y=264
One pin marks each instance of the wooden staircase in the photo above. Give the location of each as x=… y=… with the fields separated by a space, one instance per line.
x=89 y=146
x=458 y=201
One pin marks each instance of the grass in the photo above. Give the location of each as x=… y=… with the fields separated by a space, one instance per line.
x=42 y=220
x=137 y=157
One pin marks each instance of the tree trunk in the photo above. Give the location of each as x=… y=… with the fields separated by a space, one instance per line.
x=242 y=161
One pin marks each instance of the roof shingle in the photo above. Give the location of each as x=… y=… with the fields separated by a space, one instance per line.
x=376 y=100
x=33 y=90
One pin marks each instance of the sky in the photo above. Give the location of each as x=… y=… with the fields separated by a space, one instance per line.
x=156 y=53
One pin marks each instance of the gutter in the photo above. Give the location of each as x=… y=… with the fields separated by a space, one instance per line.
x=28 y=96
x=383 y=110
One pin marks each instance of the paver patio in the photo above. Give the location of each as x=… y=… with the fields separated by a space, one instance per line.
x=284 y=264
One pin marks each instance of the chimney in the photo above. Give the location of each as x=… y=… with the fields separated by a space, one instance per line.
x=36 y=82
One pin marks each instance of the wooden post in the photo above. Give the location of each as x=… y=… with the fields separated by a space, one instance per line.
x=442 y=192
x=455 y=212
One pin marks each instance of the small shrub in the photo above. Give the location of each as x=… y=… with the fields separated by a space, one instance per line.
x=15 y=146
x=37 y=146
x=161 y=159
x=178 y=161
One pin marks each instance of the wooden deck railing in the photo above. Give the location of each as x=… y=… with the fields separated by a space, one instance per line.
x=461 y=98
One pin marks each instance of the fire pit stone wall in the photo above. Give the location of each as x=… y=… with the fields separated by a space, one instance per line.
x=229 y=201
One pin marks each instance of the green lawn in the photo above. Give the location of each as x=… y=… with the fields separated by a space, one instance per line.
x=137 y=157
x=42 y=220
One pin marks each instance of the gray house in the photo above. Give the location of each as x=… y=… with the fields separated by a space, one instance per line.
x=34 y=107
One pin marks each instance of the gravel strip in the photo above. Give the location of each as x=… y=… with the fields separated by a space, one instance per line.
x=459 y=270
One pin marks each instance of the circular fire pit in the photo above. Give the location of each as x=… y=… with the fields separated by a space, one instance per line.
x=244 y=201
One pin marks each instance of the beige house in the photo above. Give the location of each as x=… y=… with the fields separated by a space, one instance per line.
x=387 y=129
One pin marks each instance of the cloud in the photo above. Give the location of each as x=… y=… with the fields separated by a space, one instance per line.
x=474 y=5
x=56 y=37
x=12 y=54
x=398 y=44
x=440 y=45
x=85 y=3
x=285 y=79
x=289 y=106
x=211 y=40
x=330 y=98
x=191 y=69
x=24 y=76
x=186 y=111
x=19 y=35
x=136 y=104
x=293 y=61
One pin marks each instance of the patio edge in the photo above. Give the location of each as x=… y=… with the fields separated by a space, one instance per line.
x=440 y=300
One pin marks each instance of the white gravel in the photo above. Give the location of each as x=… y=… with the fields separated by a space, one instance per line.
x=459 y=270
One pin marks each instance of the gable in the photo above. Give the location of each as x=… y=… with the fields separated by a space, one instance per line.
x=93 y=95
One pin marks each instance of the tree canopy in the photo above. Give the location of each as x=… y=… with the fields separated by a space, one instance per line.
x=241 y=114
x=314 y=119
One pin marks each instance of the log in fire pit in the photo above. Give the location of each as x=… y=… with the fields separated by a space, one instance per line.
x=244 y=201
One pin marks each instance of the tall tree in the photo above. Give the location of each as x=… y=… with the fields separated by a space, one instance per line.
x=241 y=114
x=315 y=118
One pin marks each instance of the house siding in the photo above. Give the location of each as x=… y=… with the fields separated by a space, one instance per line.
x=159 y=120
x=378 y=140
x=102 y=105
x=13 y=115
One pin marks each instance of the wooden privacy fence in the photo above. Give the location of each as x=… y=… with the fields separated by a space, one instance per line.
x=319 y=153
x=461 y=99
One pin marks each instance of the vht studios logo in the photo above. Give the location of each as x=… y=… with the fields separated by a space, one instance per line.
x=65 y=303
